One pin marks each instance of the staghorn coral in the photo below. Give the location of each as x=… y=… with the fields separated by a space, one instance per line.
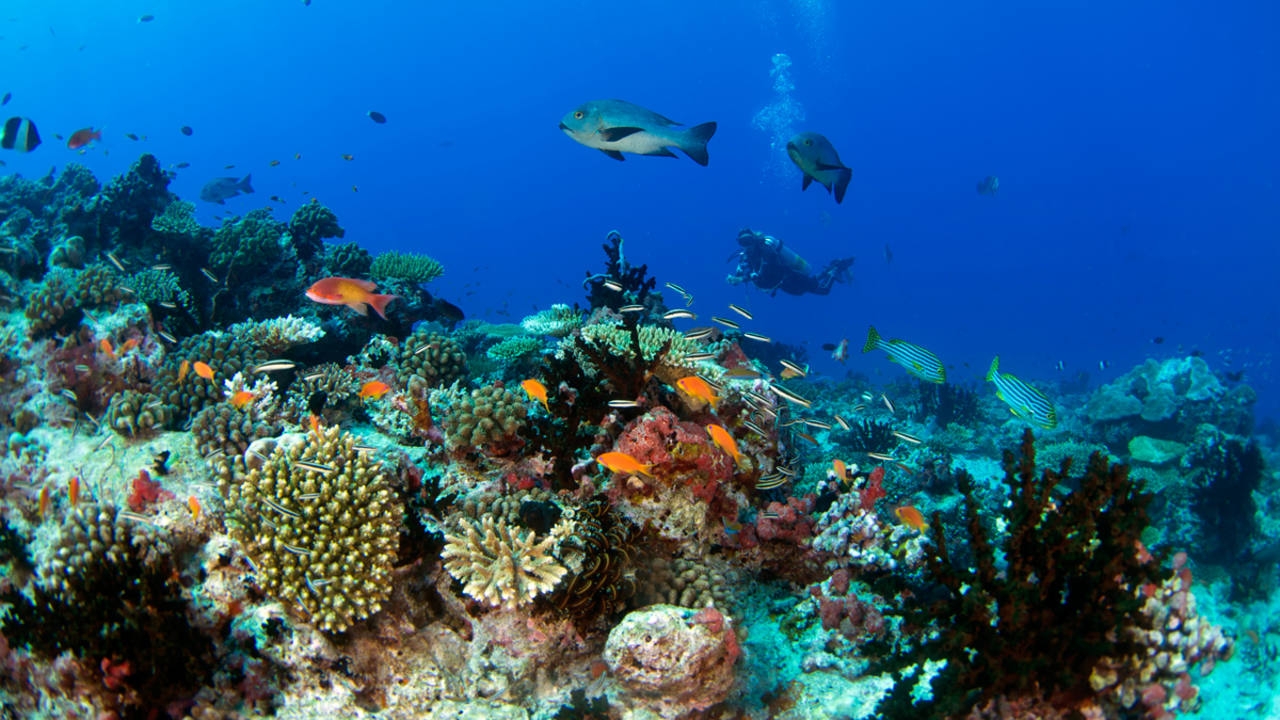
x=178 y=218
x=277 y=334
x=500 y=565
x=488 y=418
x=558 y=321
x=323 y=540
x=433 y=357
x=415 y=268
x=135 y=414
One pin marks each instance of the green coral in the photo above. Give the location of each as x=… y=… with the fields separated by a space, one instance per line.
x=347 y=260
x=412 y=267
x=160 y=286
x=558 y=321
x=323 y=540
x=489 y=417
x=178 y=218
x=255 y=241
x=226 y=355
x=310 y=225
x=514 y=349
x=435 y=358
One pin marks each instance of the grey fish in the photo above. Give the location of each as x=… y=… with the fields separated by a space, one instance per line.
x=818 y=160
x=218 y=190
x=989 y=185
x=615 y=126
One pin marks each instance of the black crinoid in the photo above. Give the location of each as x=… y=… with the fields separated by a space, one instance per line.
x=1033 y=618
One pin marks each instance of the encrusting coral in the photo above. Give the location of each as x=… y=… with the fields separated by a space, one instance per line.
x=501 y=565
x=321 y=524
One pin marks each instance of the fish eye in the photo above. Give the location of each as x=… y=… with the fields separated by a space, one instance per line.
x=578 y=114
x=807 y=141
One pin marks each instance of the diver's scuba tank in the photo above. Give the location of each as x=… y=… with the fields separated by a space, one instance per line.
x=788 y=257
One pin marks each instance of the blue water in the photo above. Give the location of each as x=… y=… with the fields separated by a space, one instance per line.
x=1135 y=143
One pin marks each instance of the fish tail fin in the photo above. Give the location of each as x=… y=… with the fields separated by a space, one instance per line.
x=842 y=183
x=696 y=139
x=995 y=368
x=244 y=185
x=379 y=303
x=873 y=339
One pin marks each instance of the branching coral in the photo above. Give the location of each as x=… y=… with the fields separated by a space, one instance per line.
x=557 y=321
x=1064 y=599
x=321 y=524
x=277 y=334
x=637 y=287
x=500 y=565
x=412 y=267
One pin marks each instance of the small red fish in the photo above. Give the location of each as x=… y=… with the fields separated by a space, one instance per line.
x=83 y=137
x=355 y=294
x=374 y=389
x=44 y=501
x=73 y=489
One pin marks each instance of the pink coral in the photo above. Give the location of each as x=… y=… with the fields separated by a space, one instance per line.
x=146 y=492
x=788 y=523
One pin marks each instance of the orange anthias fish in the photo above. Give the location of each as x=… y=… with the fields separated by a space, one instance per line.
x=128 y=345
x=105 y=346
x=840 y=469
x=241 y=399
x=355 y=294
x=374 y=389
x=202 y=369
x=912 y=518
x=725 y=442
x=83 y=137
x=194 y=505
x=621 y=462
x=183 y=369
x=699 y=388
x=537 y=391
x=73 y=489
x=44 y=501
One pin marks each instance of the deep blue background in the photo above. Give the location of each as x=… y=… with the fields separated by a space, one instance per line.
x=1136 y=143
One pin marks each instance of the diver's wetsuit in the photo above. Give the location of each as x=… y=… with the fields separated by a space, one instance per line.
x=772 y=266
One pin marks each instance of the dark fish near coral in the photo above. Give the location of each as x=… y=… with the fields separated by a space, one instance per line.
x=19 y=134
x=219 y=190
x=989 y=185
x=377 y=117
x=186 y=130
x=615 y=127
x=317 y=401
x=818 y=160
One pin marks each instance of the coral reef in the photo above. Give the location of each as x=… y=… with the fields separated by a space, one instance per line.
x=501 y=566
x=487 y=418
x=435 y=358
x=414 y=268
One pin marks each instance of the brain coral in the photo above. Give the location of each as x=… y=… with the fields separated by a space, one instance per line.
x=321 y=524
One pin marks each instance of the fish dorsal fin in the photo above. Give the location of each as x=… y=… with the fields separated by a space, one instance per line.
x=363 y=284
x=614 y=134
x=613 y=154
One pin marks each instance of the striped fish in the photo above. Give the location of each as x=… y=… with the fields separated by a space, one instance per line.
x=1024 y=401
x=915 y=359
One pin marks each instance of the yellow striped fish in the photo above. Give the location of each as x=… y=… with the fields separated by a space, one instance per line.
x=915 y=359
x=1024 y=401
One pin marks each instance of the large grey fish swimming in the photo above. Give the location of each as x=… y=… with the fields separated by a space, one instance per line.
x=817 y=159
x=615 y=126
x=218 y=190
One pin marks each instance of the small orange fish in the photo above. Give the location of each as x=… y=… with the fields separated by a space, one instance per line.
x=374 y=389
x=194 y=505
x=621 y=462
x=105 y=346
x=73 y=489
x=202 y=369
x=699 y=388
x=83 y=137
x=348 y=156
x=128 y=345
x=355 y=294
x=183 y=369
x=242 y=399
x=725 y=442
x=314 y=423
x=912 y=518
x=44 y=501
x=536 y=391
x=840 y=469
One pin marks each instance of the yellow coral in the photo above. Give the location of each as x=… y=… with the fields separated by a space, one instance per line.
x=500 y=565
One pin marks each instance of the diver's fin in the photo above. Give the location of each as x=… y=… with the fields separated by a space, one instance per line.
x=696 y=139
x=617 y=133
x=613 y=154
x=842 y=184
x=804 y=185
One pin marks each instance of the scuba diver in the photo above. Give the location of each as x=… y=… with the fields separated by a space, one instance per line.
x=772 y=266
